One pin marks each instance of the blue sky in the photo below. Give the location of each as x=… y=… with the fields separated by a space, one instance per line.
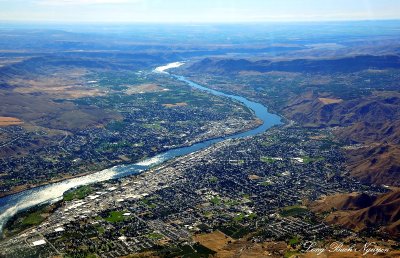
x=196 y=11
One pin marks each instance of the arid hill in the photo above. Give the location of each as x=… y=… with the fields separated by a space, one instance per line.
x=368 y=118
x=359 y=211
x=375 y=164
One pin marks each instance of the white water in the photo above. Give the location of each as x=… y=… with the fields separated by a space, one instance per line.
x=162 y=69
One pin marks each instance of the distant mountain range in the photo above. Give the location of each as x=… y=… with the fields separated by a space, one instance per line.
x=348 y=64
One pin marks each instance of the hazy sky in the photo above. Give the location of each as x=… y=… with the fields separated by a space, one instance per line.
x=196 y=10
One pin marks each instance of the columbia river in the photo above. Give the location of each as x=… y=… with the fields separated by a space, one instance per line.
x=12 y=204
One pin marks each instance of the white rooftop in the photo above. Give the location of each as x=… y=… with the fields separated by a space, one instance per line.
x=60 y=229
x=92 y=197
x=39 y=242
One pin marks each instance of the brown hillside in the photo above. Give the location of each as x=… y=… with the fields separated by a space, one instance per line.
x=367 y=132
x=359 y=211
x=352 y=201
x=377 y=164
x=380 y=110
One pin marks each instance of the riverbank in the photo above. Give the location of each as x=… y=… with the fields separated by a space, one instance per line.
x=22 y=188
x=28 y=219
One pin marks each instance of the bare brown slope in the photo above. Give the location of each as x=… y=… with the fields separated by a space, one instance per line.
x=371 y=113
x=309 y=110
x=348 y=211
x=369 y=132
x=376 y=164
x=41 y=110
x=352 y=201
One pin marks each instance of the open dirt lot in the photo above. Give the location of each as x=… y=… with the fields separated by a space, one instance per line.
x=328 y=101
x=5 y=121
x=215 y=241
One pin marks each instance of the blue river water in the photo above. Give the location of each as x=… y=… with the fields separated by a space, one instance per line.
x=12 y=204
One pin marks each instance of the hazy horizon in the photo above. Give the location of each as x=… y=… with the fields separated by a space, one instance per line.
x=207 y=11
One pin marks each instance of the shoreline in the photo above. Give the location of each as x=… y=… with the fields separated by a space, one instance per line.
x=29 y=186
